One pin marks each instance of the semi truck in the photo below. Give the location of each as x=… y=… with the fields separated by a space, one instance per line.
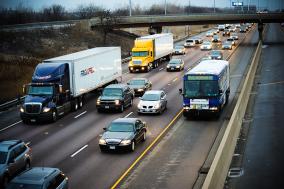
x=60 y=84
x=149 y=50
x=206 y=88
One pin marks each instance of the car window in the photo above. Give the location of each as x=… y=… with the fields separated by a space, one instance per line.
x=12 y=155
x=137 y=82
x=162 y=95
x=3 y=157
x=150 y=97
x=138 y=124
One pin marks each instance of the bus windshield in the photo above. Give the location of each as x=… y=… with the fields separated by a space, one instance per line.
x=204 y=88
x=40 y=90
x=139 y=53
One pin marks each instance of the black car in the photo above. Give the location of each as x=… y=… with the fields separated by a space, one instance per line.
x=115 y=97
x=123 y=134
x=40 y=178
x=216 y=55
x=15 y=156
x=139 y=85
x=175 y=64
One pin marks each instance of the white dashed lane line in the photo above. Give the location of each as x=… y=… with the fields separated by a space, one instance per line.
x=12 y=125
x=161 y=69
x=80 y=114
x=128 y=114
x=77 y=152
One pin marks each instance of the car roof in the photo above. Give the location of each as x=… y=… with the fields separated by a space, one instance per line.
x=154 y=92
x=35 y=175
x=8 y=144
x=116 y=86
x=125 y=120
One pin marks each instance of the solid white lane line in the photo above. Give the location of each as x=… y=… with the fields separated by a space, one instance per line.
x=79 y=151
x=128 y=114
x=161 y=69
x=80 y=114
x=10 y=126
x=28 y=143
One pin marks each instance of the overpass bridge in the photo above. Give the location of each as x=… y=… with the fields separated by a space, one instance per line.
x=157 y=22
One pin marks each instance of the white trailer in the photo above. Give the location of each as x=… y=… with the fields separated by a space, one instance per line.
x=92 y=68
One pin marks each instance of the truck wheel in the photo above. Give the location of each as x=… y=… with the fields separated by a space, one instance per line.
x=80 y=104
x=54 y=116
x=74 y=105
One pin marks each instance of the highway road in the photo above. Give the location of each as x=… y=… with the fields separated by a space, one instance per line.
x=261 y=153
x=71 y=143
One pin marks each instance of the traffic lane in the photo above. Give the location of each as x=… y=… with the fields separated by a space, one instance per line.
x=265 y=137
x=100 y=164
x=177 y=159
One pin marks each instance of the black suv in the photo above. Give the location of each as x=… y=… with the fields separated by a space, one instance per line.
x=40 y=177
x=15 y=156
x=115 y=97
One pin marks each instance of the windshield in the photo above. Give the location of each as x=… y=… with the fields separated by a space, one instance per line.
x=189 y=41
x=112 y=92
x=139 y=53
x=137 y=82
x=203 y=88
x=175 y=61
x=120 y=127
x=150 y=97
x=3 y=157
x=179 y=47
x=206 y=43
x=40 y=90
x=23 y=186
x=215 y=53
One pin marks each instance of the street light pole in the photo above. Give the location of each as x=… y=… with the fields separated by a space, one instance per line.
x=214 y=7
x=165 y=7
x=130 y=7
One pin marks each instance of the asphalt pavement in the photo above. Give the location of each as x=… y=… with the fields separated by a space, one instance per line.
x=71 y=143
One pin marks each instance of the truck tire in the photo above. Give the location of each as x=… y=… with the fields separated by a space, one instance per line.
x=80 y=102
x=74 y=105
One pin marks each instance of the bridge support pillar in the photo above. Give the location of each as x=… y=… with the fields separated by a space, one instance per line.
x=260 y=31
x=155 y=29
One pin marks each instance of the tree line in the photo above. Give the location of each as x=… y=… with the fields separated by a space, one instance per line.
x=56 y=12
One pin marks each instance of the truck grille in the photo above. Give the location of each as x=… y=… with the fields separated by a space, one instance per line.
x=33 y=108
x=107 y=102
x=137 y=62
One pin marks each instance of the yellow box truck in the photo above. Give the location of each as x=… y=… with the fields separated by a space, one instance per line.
x=149 y=50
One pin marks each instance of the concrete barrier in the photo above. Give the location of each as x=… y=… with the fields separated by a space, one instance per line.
x=218 y=171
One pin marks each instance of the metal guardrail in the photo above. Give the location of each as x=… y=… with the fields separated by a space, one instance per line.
x=11 y=103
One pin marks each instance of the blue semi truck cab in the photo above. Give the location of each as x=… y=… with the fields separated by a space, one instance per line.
x=206 y=88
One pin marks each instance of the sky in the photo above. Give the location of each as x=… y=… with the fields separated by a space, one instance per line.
x=113 y=4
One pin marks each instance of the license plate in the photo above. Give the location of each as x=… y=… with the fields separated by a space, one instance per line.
x=112 y=147
x=137 y=70
x=107 y=107
x=172 y=68
x=33 y=120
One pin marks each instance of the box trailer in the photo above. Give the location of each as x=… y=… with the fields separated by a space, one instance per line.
x=60 y=84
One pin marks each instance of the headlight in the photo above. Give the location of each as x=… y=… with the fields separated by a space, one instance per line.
x=139 y=106
x=219 y=56
x=213 y=108
x=116 y=102
x=131 y=68
x=102 y=141
x=22 y=109
x=177 y=66
x=98 y=102
x=186 y=108
x=157 y=106
x=140 y=90
x=125 y=142
x=168 y=66
x=46 y=109
x=142 y=68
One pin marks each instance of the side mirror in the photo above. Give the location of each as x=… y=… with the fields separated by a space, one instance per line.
x=221 y=91
x=144 y=123
x=104 y=128
x=127 y=83
x=140 y=97
x=180 y=91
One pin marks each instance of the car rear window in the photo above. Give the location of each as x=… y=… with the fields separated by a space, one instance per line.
x=120 y=127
